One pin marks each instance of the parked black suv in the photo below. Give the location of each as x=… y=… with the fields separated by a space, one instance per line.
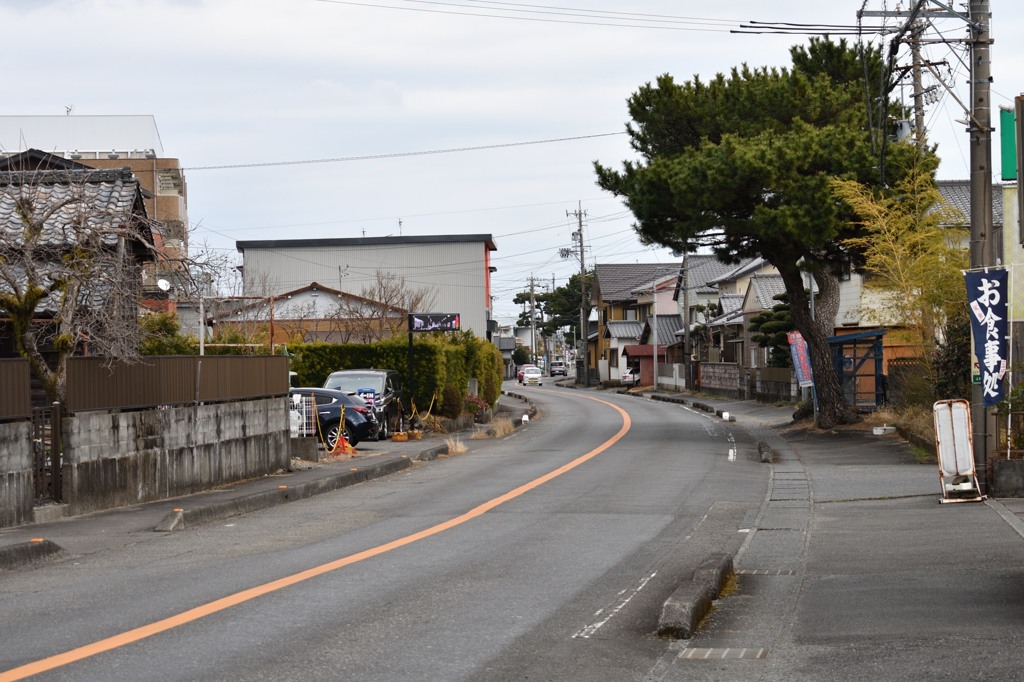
x=381 y=388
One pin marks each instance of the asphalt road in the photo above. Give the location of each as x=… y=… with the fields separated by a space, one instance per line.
x=545 y=555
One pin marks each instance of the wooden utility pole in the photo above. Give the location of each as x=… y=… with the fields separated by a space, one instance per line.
x=582 y=363
x=982 y=251
x=915 y=47
x=533 y=322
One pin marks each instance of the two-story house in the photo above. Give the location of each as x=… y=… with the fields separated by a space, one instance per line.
x=619 y=297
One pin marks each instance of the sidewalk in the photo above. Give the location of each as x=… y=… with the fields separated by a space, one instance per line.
x=98 y=531
x=860 y=446
x=853 y=570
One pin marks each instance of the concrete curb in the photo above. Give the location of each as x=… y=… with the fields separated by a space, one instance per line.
x=531 y=409
x=711 y=409
x=183 y=518
x=683 y=611
x=433 y=453
x=27 y=553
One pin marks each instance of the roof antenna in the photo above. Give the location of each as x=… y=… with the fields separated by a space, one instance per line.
x=67 y=109
x=399 y=227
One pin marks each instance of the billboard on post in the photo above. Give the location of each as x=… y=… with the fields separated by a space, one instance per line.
x=433 y=322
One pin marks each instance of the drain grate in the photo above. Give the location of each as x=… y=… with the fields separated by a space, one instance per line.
x=721 y=654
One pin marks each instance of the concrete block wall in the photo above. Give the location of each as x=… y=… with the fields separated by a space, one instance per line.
x=114 y=460
x=722 y=378
x=776 y=385
x=16 y=490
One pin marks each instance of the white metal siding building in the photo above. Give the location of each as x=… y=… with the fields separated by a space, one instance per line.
x=455 y=268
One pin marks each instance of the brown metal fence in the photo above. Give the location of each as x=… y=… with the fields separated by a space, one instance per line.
x=15 y=396
x=98 y=384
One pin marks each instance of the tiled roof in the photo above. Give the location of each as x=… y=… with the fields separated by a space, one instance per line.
x=737 y=271
x=642 y=351
x=731 y=303
x=958 y=194
x=616 y=281
x=667 y=325
x=624 y=329
x=766 y=287
x=109 y=198
x=702 y=272
x=78 y=206
x=732 y=310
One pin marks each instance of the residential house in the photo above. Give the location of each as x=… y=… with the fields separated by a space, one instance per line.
x=618 y=296
x=658 y=344
x=307 y=314
x=452 y=272
x=618 y=335
x=716 y=339
x=696 y=294
x=116 y=142
x=506 y=344
x=862 y=308
x=723 y=337
x=100 y=212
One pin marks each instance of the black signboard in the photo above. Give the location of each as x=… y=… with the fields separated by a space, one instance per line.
x=433 y=322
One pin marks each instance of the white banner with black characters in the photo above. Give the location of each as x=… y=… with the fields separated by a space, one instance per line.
x=987 y=297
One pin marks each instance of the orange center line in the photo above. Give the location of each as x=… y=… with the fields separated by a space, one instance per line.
x=209 y=608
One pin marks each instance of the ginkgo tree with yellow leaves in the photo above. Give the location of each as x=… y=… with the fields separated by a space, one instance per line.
x=914 y=246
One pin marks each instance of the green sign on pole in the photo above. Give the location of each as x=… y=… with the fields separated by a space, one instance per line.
x=1008 y=143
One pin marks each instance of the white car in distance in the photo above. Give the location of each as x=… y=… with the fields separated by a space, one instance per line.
x=532 y=376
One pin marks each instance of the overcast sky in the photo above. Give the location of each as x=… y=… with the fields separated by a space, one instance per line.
x=253 y=83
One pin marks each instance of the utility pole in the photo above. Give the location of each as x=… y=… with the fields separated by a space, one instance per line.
x=654 y=329
x=582 y=361
x=915 y=48
x=979 y=115
x=533 y=321
x=982 y=254
x=687 y=352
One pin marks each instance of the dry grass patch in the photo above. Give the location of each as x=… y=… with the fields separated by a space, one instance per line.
x=499 y=427
x=455 y=445
x=914 y=419
x=502 y=426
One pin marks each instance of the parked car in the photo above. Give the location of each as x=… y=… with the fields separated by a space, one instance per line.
x=360 y=423
x=630 y=376
x=557 y=368
x=532 y=376
x=381 y=388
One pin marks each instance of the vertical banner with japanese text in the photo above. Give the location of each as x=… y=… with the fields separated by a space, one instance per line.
x=801 y=359
x=987 y=298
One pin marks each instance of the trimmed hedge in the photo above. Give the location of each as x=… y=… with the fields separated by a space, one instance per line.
x=443 y=364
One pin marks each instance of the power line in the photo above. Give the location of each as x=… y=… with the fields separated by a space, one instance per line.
x=602 y=18
x=370 y=157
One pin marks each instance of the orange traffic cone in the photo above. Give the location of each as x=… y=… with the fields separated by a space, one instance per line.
x=341 y=445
